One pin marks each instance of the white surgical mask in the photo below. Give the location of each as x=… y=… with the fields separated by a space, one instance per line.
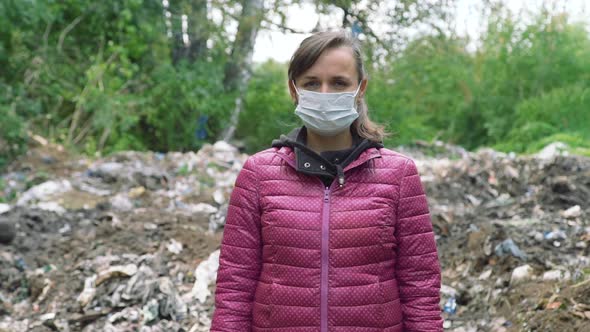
x=326 y=113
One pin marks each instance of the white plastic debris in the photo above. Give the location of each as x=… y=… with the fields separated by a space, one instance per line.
x=447 y=324
x=174 y=246
x=448 y=291
x=218 y=196
x=13 y=325
x=205 y=274
x=42 y=191
x=51 y=206
x=4 y=208
x=129 y=314
x=89 y=291
x=217 y=219
x=65 y=229
x=150 y=311
x=521 y=273
x=110 y=168
x=47 y=316
x=573 y=212
x=150 y=226
x=92 y=190
x=552 y=150
x=121 y=202
x=485 y=275
x=223 y=151
x=200 y=208
x=556 y=275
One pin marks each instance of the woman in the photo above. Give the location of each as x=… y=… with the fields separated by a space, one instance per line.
x=327 y=230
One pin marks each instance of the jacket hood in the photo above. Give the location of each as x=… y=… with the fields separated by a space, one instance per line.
x=310 y=162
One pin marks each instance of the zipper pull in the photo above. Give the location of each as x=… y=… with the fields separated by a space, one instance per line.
x=327 y=195
x=341 y=181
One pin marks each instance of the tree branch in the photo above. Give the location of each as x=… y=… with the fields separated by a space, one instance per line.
x=65 y=31
x=283 y=27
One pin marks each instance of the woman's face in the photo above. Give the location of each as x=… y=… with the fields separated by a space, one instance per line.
x=334 y=71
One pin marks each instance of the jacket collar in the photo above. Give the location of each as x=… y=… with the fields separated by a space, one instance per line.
x=293 y=149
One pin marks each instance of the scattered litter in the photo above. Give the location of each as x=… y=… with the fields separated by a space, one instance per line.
x=116 y=271
x=174 y=246
x=4 y=208
x=121 y=202
x=48 y=316
x=521 y=274
x=89 y=291
x=150 y=226
x=150 y=311
x=44 y=191
x=65 y=229
x=553 y=150
x=200 y=208
x=450 y=306
x=130 y=242
x=205 y=274
x=136 y=192
x=509 y=247
x=219 y=196
x=556 y=275
x=553 y=235
x=485 y=275
x=573 y=212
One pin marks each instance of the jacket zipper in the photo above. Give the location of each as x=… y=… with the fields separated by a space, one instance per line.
x=325 y=247
x=324 y=270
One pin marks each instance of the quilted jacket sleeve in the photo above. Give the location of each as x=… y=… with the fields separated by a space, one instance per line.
x=418 y=269
x=240 y=258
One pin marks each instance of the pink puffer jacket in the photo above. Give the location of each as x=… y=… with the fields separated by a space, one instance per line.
x=299 y=257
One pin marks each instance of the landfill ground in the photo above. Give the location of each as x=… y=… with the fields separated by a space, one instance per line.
x=130 y=242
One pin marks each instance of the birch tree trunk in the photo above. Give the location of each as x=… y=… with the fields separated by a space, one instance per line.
x=197 y=30
x=237 y=69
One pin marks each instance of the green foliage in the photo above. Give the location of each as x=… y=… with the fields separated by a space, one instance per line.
x=549 y=117
x=424 y=92
x=102 y=76
x=14 y=108
x=269 y=110
x=520 y=63
x=98 y=76
x=522 y=85
x=191 y=90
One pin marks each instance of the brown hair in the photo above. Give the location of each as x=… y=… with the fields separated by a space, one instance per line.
x=308 y=53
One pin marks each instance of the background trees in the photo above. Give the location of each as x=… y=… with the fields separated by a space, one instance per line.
x=171 y=75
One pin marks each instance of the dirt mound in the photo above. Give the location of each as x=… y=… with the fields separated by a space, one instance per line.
x=505 y=223
x=130 y=242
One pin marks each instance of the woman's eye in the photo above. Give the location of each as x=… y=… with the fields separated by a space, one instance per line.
x=341 y=84
x=310 y=84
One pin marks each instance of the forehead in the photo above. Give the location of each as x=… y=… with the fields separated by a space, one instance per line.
x=333 y=62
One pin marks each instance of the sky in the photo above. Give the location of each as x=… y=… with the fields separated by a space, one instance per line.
x=280 y=46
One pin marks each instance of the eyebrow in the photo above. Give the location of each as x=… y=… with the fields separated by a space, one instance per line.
x=308 y=77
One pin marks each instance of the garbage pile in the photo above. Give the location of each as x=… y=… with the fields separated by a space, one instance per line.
x=130 y=242
x=513 y=234
x=124 y=243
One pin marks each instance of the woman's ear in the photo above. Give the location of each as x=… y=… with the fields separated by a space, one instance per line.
x=363 y=88
x=292 y=91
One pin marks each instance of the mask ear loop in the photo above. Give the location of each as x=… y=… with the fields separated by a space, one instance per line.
x=296 y=102
x=358 y=89
x=295 y=86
